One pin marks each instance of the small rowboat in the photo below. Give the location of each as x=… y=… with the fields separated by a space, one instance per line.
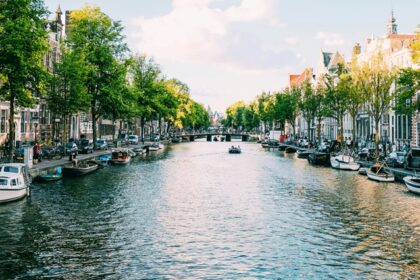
x=234 y=150
x=412 y=183
x=303 y=153
x=290 y=150
x=80 y=169
x=49 y=176
x=363 y=171
x=344 y=162
x=378 y=173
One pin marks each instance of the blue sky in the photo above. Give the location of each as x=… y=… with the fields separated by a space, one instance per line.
x=227 y=50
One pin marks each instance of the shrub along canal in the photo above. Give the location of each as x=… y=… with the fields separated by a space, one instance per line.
x=195 y=211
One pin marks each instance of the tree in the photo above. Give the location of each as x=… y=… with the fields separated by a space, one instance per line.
x=416 y=47
x=374 y=80
x=145 y=73
x=22 y=43
x=309 y=105
x=336 y=97
x=354 y=102
x=68 y=94
x=290 y=106
x=100 y=40
x=120 y=102
x=408 y=84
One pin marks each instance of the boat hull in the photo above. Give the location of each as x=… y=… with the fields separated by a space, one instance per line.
x=380 y=177
x=120 y=161
x=303 y=154
x=50 y=177
x=338 y=163
x=411 y=185
x=74 y=171
x=318 y=158
x=12 y=194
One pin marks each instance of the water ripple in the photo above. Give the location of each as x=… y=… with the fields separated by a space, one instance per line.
x=196 y=212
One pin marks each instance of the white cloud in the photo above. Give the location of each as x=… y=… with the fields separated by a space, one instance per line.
x=291 y=40
x=193 y=32
x=330 y=39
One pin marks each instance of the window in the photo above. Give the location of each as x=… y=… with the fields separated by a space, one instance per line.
x=31 y=122
x=13 y=182
x=3 y=121
x=22 y=122
x=3 y=182
x=11 y=169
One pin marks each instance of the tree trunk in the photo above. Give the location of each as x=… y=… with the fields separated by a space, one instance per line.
x=12 y=127
x=353 y=134
x=70 y=125
x=308 y=122
x=64 y=133
x=142 y=129
x=319 y=130
x=113 y=130
x=94 y=124
x=377 y=139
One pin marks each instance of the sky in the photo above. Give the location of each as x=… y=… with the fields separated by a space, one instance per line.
x=229 y=50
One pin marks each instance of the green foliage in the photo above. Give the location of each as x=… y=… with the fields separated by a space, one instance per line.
x=374 y=81
x=337 y=95
x=408 y=85
x=68 y=93
x=416 y=47
x=22 y=44
x=100 y=41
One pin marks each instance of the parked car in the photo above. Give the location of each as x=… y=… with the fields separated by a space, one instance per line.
x=133 y=139
x=396 y=159
x=71 y=147
x=101 y=144
x=85 y=146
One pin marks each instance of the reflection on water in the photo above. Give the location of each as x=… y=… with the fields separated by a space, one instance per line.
x=196 y=212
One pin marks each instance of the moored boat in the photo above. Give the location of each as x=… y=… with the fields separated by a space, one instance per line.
x=319 y=158
x=234 y=150
x=120 y=157
x=153 y=148
x=378 y=173
x=271 y=144
x=363 y=171
x=139 y=151
x=51 y=175
x=14 y=182
x=303 y=153
x=290 y=150
x=79 y=169
x=412 y=183
x=344 y=162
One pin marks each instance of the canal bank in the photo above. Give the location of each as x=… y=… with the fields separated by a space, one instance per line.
x=46 y=165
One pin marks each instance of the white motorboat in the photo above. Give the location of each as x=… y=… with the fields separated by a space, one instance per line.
x=14 y=182
x=412 y=183
x=378 y=173
x=120 y=157
x=344 y=162
x=153 y=147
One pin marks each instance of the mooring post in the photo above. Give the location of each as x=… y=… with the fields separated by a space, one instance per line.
x=208 y=137
x=228 y=137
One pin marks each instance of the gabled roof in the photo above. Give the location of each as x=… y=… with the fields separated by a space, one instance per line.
x=326 y=58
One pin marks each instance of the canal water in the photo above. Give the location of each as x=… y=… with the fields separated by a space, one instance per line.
x=194 y=211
